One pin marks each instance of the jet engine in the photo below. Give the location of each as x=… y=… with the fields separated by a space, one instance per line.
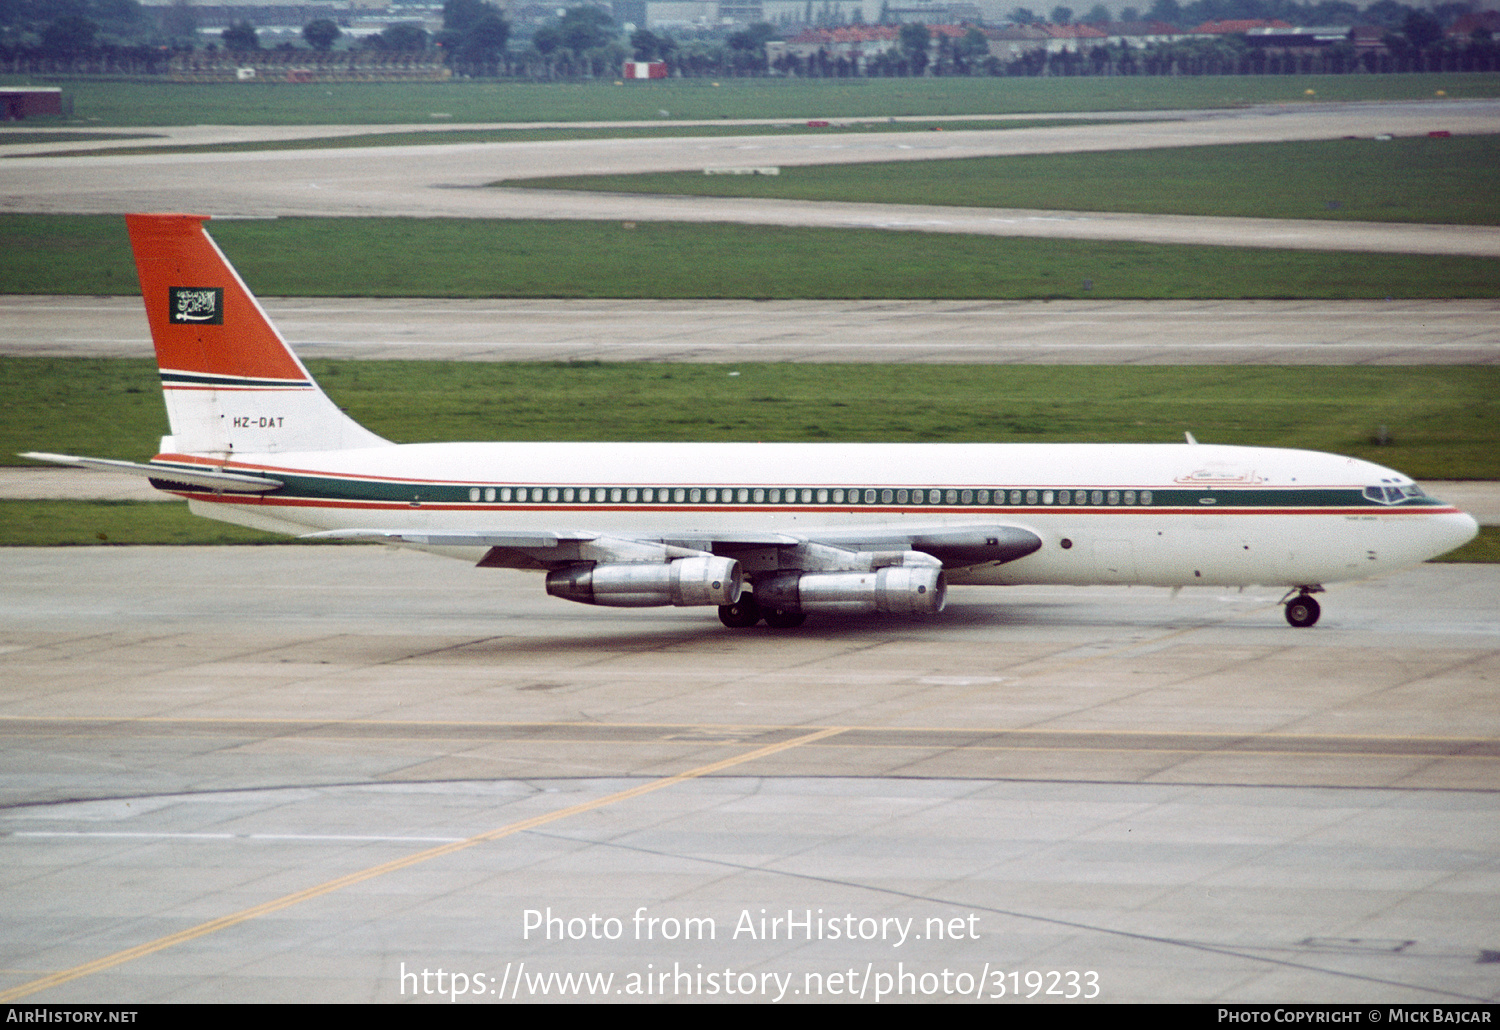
x=699 y=580
x=916 y=589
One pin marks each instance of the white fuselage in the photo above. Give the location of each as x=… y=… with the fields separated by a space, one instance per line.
x=1169 y=515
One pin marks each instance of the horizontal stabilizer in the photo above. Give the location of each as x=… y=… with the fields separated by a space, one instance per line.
x=167 y=477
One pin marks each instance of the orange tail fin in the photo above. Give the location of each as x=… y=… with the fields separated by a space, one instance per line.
x=232 y=384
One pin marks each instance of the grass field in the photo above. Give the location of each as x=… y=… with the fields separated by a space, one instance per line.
x=384 y=257
x=1483 y=548
x=1443 y=422
x=80 y=523
x=15 y=137
x=109 y=104
x=1448 y=180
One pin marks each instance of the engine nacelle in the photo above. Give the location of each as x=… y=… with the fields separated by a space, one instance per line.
x=704 y=580
x=904 y=589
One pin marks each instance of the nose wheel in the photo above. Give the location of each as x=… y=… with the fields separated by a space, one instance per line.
x=1302 y=611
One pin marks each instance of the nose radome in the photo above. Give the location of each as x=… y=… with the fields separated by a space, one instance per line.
x=1453 y=531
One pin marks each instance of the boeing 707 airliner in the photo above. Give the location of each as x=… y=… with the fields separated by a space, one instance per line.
x=762 y=532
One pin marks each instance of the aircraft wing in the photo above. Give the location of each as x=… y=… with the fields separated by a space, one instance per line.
x=832 y=547
x=954 y=546
x=420 y=538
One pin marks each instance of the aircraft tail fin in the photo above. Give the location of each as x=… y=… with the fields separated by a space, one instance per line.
x=232 y=385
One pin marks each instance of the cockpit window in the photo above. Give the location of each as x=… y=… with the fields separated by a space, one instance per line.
x=1392 y=494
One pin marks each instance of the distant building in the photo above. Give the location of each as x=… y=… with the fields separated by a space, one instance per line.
x=307 y=66
x=519 y=12
x=822 y=13
x=280 y=21
x=1301 y=41
x=1478 y=21
x=1014 y=41
x=1369 y=39
x=856 y=43
x=740 y=12
x=644 y=70
x=1140 y=33
x=1073 y=37
x=20 y=102
x=675 y=15
x=269 y=14
x=931 y=14
x=703 y=15
x=1011 y=42
x=1075 y=31
x=1236 y=27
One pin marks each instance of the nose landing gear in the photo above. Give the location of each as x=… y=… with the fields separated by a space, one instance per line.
x=1302 y=611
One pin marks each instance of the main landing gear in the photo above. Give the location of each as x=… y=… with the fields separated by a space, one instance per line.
x=742 y=614
x=780 y=618
x=745 y=613
x=1302 y=611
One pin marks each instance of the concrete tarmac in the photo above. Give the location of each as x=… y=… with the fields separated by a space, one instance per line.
x=278 y=774
x=1102 y=332
x=104 y=140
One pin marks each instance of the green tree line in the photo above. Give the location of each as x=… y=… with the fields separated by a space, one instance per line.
x=121 y=36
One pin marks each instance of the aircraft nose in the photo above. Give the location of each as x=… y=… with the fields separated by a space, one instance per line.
x=1453 y=531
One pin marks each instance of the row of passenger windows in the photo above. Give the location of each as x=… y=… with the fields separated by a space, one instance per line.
x=796 y=495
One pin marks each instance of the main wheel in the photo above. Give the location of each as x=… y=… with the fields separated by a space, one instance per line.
x=743 y=613
x=1302 y=611
x=780 y=618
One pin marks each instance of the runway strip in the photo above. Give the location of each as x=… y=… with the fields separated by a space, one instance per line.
x=1100 y=332
x=452 y=180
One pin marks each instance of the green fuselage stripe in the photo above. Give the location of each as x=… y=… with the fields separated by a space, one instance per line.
x=337 y=490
